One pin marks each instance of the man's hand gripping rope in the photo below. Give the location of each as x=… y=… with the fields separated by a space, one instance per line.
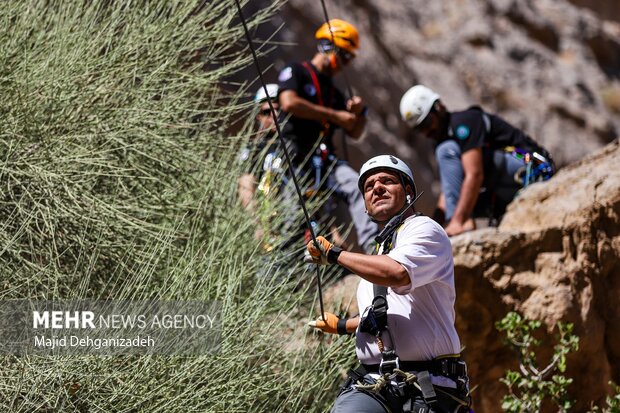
x=323 y=254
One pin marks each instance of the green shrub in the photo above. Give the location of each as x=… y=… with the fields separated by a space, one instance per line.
x=531 y=385
x=118 y=181
x=612 y=402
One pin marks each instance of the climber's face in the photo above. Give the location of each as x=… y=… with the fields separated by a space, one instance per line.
x=384 y=195
x=264 y=118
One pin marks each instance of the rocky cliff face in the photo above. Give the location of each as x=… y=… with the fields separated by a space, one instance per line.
x=555 y=257
x=551 y=67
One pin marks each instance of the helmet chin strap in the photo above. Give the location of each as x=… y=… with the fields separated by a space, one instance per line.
x=333 y=61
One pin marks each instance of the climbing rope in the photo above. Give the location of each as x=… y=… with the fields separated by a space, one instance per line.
x=346 y=79
x=284 y=150
x=329 y=26
x=384 y=380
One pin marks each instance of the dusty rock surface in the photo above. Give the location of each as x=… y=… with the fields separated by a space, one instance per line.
x=555 y=257
x=551 y=67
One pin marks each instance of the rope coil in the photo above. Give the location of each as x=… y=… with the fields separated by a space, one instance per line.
x=384 y=380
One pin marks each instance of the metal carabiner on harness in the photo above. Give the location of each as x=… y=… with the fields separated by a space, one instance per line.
x=389 y=362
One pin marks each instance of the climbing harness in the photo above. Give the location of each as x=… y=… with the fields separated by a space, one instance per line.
x=374 y=320
x=284 y=150
x=537 y=166
x=322 y=154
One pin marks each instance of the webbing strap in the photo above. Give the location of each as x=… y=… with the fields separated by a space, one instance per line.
x=319 y=94
x=317 y=86
x=428 y=392
x=380 y=306
x=379 y=290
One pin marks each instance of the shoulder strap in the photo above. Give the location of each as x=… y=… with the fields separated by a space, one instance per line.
x=485 y=117
x=380 y=289
x=317 y=86
x=315 y=82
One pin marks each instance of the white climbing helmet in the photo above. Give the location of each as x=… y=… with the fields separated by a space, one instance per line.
x=416 y=104
x=272 y=92
x=386 y=162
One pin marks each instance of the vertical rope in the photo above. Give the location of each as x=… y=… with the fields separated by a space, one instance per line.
x=346 y=81
x=284 y=150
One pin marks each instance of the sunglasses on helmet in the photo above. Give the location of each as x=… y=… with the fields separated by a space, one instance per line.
x=325 y=46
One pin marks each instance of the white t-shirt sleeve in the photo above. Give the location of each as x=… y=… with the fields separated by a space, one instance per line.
x=422 y=248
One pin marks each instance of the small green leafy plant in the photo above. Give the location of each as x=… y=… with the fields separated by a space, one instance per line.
x=531 y=385
x=613 y=402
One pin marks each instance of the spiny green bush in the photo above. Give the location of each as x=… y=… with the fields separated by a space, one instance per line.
x=529 y=387
x=118 y=181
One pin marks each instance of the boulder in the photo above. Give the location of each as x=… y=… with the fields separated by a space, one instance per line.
x=555 y=257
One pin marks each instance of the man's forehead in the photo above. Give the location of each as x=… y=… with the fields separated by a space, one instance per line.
x=381 y=173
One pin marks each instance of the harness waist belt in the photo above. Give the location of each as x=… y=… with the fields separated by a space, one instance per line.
x=451 y=367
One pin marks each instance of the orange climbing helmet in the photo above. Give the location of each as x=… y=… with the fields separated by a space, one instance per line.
x=345 y=35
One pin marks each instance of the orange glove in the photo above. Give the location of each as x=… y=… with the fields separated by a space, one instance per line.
x=333 y=324
x=325 y=253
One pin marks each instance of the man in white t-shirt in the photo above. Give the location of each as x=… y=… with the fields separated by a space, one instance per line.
x=406 y=341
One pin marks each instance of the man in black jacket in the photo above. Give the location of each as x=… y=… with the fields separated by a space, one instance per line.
x=483 y=160
x=312 y=108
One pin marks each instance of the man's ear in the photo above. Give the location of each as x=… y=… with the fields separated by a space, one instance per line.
x=409 y=191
